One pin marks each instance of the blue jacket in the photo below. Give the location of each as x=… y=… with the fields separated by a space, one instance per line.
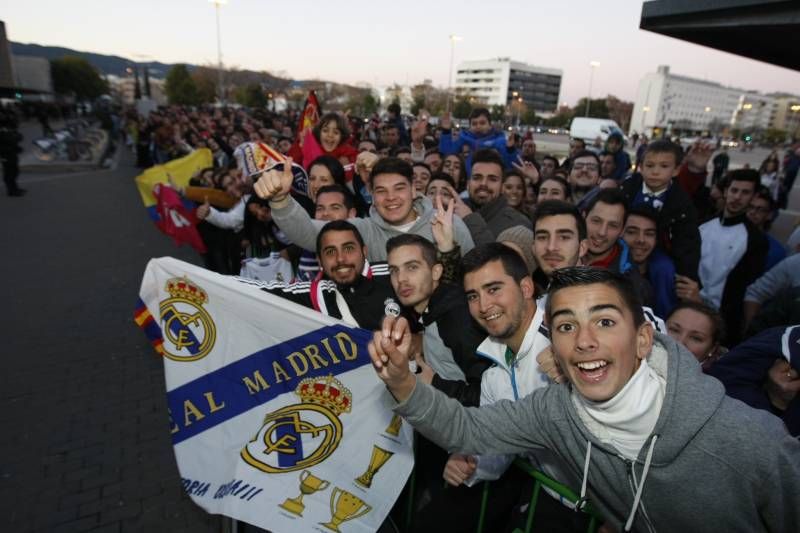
x=743 y=370
x=661 y=275
x=494 y=139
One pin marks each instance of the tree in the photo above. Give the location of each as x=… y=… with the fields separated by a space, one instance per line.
x=251 y=95
x=497 y=112
x=205 y=79
x=529 y=116
x=76 y=76
x=598 y=108
x=180 y=86
x=370 y=104
x=462 y=108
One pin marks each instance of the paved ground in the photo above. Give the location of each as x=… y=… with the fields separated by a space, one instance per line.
x=84 y=442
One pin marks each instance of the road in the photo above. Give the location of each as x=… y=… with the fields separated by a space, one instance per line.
x=84 y=444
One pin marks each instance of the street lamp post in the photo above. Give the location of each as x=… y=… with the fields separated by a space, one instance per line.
x=593 y=65
x=220 y=92
x=453 y=39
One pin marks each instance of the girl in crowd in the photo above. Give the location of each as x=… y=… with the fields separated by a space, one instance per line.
x=699 y=328
x=453 y=166
x=514 y=189
x=333 y=134
x=555 y=188
x=324 y=170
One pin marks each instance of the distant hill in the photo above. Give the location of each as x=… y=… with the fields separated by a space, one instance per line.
x=106 y=64
x=116 y=65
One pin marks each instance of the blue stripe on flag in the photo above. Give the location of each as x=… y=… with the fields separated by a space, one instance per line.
x=223 y=394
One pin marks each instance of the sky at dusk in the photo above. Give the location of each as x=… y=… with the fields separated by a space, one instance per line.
x=381 y=42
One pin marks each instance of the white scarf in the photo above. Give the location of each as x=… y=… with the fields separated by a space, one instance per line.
x=626 y=420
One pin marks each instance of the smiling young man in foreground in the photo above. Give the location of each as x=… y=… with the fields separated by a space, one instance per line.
x=658 y=444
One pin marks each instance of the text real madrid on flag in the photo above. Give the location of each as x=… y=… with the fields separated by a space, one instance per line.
x=275 y=413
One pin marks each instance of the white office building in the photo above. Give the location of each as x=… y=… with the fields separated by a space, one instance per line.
x=502 y=81
x=666 y=101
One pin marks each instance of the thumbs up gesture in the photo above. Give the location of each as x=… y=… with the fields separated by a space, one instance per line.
x=275 y=184
x=203 y=210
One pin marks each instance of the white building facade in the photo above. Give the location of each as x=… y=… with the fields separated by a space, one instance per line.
x=666 y=101
x=502 y=81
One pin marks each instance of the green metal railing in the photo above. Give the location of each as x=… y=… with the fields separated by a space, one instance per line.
x=540 y=480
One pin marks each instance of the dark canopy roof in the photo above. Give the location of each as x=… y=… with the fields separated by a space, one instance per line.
x=766 y=30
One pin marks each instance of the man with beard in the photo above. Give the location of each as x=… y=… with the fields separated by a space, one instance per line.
x=500 y=298
x=732 y=252
x=349 y=288
x=584 y=175
x=486 y=212
x=559 y=239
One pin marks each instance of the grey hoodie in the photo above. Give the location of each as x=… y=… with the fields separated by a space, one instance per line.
x=294 y=221
x=711 y=463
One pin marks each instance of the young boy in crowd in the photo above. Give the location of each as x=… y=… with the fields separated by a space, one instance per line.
x=480 y=134
x=654 y=187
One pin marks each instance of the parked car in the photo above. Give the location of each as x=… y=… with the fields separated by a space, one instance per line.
x=590 y=129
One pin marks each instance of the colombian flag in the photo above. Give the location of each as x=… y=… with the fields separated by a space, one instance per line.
x=181 y=171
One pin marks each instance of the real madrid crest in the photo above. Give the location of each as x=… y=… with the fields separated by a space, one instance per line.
x=188 y=331
x=301 y=435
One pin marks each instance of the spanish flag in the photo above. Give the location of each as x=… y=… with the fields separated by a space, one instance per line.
x=310 y=116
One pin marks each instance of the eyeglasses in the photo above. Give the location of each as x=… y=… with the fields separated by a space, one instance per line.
x=586 y=166
x=757 y=209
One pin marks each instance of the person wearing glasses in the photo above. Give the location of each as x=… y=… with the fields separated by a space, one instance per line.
x=584 y=175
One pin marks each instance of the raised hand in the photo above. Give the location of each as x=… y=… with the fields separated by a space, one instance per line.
x=460 y=208
x=446 y=123
x=687 y=289
x=275 y=184
x=418 y=131
x=364 y=163
x=549 y=365
x=459 y=468
x=782 y=384
x=527 y=169
x=390 y=350
x=698 y=156
x=203 y=210
x=442 y=225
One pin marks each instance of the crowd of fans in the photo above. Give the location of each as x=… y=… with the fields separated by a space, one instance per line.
x=399 y=214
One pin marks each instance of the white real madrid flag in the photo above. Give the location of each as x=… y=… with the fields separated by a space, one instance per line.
x=277 y=417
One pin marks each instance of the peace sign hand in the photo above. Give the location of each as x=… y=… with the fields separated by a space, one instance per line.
x=527 y=169
x=442 y=226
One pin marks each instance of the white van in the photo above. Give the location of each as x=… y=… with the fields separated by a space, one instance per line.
x=590 y=129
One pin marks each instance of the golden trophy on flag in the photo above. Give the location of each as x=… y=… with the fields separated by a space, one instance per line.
x=309 y=484
x=345 y=506
x=378 y=459
x=394 y=426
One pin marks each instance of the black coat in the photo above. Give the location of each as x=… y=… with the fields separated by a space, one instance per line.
x=678 y=232
x=448 y=308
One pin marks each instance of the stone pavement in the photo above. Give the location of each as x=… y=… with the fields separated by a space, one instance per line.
x=84 y=443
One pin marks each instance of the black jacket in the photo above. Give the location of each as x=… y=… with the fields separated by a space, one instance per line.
x=449 y=310
x=367 y=299
x=678 y=232
x=749 y=268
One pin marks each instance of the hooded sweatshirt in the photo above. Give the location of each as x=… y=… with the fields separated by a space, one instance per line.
x=302 y=230
x=710 y=463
